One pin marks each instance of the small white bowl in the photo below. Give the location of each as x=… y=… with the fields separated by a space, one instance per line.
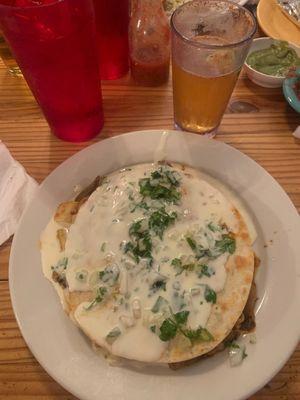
x=269 y=81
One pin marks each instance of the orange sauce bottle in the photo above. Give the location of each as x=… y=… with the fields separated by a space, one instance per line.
x=149 y=41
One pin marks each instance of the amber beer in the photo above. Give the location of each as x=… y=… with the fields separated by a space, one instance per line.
x=200 y=101
x=210 y=41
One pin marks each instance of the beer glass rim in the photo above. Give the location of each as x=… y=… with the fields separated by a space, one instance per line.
x=31 y=7
x=198 y=44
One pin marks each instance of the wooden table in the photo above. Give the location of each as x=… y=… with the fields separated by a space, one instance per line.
x=258 y=122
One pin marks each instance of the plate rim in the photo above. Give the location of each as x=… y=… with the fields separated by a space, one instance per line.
x=62 y=165
x=266 y=30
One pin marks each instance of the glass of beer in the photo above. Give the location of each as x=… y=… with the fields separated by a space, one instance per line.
x=210 y=41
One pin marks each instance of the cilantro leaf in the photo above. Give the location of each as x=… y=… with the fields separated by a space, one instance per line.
x=173 y=177
x=176 y=262
x=100 y=295
x=197 y=248
x=167 y=330
x=181 y=317
x=174 y=324
x=200 y=269
x=191 y=242
x=162 y=184
x=213 y=227
x=205 y=270
x=210 y=295
x=158 y=191
x=160 y=220
x=226 y=244
x=137 y=230
x=141 y=245
x=198 y=335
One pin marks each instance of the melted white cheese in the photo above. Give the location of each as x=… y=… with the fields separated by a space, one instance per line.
x=236 y=201
x=97 y=238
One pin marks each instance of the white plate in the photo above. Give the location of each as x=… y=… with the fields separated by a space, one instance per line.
x=67 y=355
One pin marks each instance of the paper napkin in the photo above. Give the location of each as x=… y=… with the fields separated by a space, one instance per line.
x=297 y=133
x=16 y=189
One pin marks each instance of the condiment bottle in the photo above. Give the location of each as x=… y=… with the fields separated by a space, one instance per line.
x=149 y=41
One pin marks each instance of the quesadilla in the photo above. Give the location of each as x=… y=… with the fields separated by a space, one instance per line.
x=154 y=263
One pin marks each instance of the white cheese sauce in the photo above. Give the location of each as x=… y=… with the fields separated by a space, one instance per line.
x=138 y=296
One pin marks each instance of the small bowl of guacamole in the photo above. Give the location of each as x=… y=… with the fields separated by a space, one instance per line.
x=269 y=61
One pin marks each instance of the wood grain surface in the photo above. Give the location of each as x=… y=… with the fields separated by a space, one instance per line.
x=257 y=121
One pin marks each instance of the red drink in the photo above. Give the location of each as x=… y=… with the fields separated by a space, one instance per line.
x=54 y=44
x=112 y=19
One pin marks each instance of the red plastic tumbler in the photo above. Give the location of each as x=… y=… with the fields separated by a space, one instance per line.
x=112 y=20
x=54 y=43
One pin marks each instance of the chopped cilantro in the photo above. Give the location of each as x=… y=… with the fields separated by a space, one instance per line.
x=140 y=249
x=101 y=292
x=191 y=243
x=141 y=245
x=232 y=345
x=168 y=330
x=201 y=269
x=162 y=184
x=214 y=228
x=142 y=205
x=205 y=270
x=200 y=334
x=197 y=249
x=181 y=317
x=176 y=262
x=176 y=323
x=137 y=230
x=173 y=177
x=210 y=295
x=158 y=191
x=226 y=244
x=156 y=175
x=160 y=220
x=153 y=328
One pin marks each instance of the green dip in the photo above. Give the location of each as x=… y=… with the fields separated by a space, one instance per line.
x=275 y=60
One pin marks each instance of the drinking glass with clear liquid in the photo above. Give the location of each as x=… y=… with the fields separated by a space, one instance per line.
x=210 y=41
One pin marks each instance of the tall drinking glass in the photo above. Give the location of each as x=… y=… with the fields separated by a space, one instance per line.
x=8 y=59
x=112 y=19
x=210 y=41
x=54 y=44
